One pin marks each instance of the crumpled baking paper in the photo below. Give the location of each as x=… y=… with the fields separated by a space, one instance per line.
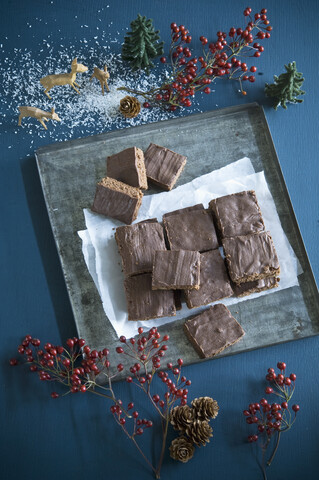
x=104 y=262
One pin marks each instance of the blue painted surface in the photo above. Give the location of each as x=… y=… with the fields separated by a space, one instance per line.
x=75 y=437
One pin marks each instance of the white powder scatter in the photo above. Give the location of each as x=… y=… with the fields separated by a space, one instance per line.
x=81 y=115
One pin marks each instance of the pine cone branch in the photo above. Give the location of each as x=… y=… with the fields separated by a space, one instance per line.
x=130 y=107
x=205 y=408
x=181 y=449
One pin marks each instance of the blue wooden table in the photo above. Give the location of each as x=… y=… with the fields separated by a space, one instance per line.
x=75 y=437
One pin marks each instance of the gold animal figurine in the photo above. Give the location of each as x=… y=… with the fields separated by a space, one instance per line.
x=40 y=115
x=102 y=77
x=51 y=81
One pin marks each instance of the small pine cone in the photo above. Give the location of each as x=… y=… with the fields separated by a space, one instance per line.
x=130 y=107
x=181 y=449
x=205 y=408
x=181 y=417
x=199 y=432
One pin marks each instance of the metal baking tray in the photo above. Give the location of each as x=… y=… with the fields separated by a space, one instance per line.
x=69 y=172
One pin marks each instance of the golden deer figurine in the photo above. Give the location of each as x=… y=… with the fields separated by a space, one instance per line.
x=102 y=77
x=51 y=81
x=40 y=115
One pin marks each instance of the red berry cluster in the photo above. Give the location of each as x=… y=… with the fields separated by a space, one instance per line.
x=139 y=424
x=220 y=59
x=76 y=366
x=63 y=364
x=148 y=350
x=271 y=418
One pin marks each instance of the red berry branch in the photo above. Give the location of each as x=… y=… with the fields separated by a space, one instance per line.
x=80 y=369
x=272 y=419
x=220 y=59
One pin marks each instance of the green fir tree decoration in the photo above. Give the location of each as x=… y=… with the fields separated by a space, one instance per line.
x=141 y=44
x=286 y=87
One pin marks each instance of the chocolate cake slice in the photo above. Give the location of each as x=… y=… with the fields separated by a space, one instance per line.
x=143 y=303
x=251 y=257
x=137 y=245
x=163 y=166
x=128 y=166
x=176 y=270
x=117 y=200
x=237 y=214
x=213 y=330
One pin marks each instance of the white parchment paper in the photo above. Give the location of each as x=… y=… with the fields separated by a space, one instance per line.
x=104 y=263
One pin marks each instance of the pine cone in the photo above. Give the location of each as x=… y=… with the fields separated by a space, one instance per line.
x=181 y=449
x=130 y=107
x=181 y=417
x=199 y=432
x=205 y=408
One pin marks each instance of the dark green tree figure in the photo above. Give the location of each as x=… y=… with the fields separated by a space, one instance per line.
x=286 y=87
x=141 y=44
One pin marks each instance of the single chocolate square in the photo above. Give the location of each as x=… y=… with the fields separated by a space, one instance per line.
x=137 y=244
x=237 y=214
x=143 y=303
x=257 y=286
x=163 y=166
x=214 y=281
x=213 y=330
x=191 y=230
x=199 y=206
x=117 y=200
x=251 y=257
x=176 y=270
x=128 y=166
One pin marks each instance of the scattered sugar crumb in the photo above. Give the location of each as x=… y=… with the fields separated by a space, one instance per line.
x=81 y=115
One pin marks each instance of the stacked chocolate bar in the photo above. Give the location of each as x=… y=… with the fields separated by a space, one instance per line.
x=119 y=194
x=250 y=254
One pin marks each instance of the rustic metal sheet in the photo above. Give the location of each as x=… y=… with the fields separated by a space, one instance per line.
x=70 y=170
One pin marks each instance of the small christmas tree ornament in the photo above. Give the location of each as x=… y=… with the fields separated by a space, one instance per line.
x=130 y=107
x=40 y=115
x=287 y=87
x=102 y=76
x=141 y=44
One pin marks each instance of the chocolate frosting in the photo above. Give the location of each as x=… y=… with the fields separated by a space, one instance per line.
x=143 y=303
x=237 y=214
x=214 y=281
x=251 y=257
x=117 y=200
x=128 y=167
x=191 y=230
x=137 y=244
x=163 y=166
x=199 y=206
x=177 y=269
x=213 y=330
x=258 y=286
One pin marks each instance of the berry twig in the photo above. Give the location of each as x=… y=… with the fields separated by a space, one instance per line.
x=76 y=368
x=272 y=419
x=220 y=59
